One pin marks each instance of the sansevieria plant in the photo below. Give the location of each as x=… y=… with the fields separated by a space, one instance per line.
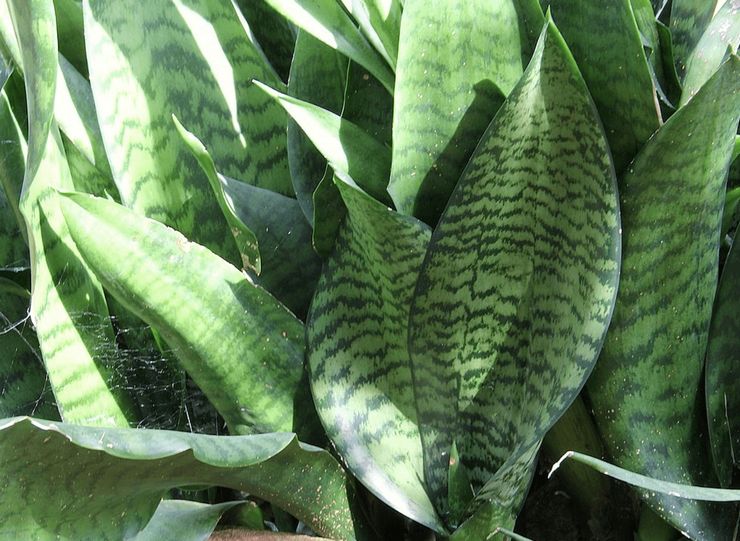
x=366 y=269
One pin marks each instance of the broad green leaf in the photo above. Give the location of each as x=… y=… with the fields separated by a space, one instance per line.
x=245 y=239
x=348 y=149
x=484 y=523
x=380 y=21
x=722 y=374
x=184 y=521
x=518 y=283
x=327 y=21
x=456 y=62
x=274 y=34
x=645 y=386
x=287 y=265
x=674 y=490
x=723 y=32
x=70 y=33
x=689 y=20
x=23 y=382
x=182 y=289
x=67 y=306
x=318 y=75
x=605 y=40
x=150 y=60
x=357 y=349
x=368 y=105
x=13 y=249
x=70 y=482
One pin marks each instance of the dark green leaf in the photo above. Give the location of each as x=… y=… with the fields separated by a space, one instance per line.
x=184 y=521
x=275 y=35
x=518 y=284
x=70 y=33
x=689 y=19
x=13 y=249
x=645 y=386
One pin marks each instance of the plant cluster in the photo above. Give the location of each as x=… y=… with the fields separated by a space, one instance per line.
x=364 y=269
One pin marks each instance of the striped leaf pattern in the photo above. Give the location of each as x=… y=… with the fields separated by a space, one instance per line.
x=223 y=329
x=722 y=371
x=358 y=356
x=199 y=69
x=689 y=19
x=645 y=387
x=519 y=281
x=456 y=62
x=627 y=105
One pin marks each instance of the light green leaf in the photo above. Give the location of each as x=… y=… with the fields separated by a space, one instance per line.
x=380 y=21
x=183 y=290
x=456 y=63
x=70 y=482
x=184 y=521
x=67 y=305
x=327 y=21
x=357 y=350
x=517 y=288
x=723 y=32
x=689 y=19
x=675 y=490
x=644 y=388
x=605 y=40
x=348 y=149
x=149 y=60
x=722 y=375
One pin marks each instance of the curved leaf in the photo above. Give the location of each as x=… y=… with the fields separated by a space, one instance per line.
x=645 y=386
x=70 y=482
x=184 y=521
x=327 y=21
x=606 y=44
x=722 y=370
x=518 y=283
x=380 y=21
x=456 y=62
x=358 y=356
x=183 y=290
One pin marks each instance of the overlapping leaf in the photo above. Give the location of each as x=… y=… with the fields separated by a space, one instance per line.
x=358 y=355
x=13 y=249
x=241 y=346
x=519 y=281
x=607 y=46
x=645 y=387
x=689 y=19
x=184 y=521
x=70 y=482
x=456 y=62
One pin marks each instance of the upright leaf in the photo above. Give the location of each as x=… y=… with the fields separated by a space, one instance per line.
x=722 y=371
x=224 y=329
x=723 y=32
x=689 y=19
x=518 y=284
x=149 y=60
x=67 y=305
x=607 y=46
x=456 y=62
x=380 y=21
x=13 y=249
x=63 y=481
x=358 y=355
x=646 y=386
x=70 y=33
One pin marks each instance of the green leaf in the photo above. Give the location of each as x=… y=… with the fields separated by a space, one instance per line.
x=13 y=249
x=149 y=60
x=182 y=289
x=70 y=33
x=67 y=305
x=644 y=388
x=723 y=32
x=689 y=19
x=456 y=63
x=327 y=21
x=23 y=383
x=318 y=75
x=329 y=213
x=357 y=351
x=184 y=521
x=606 y=44
x=484 y=523
x=675 y=490
x=722 y=376
x=70 y=482
x=380 y=21
x=518 y=283
x=348 y=149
